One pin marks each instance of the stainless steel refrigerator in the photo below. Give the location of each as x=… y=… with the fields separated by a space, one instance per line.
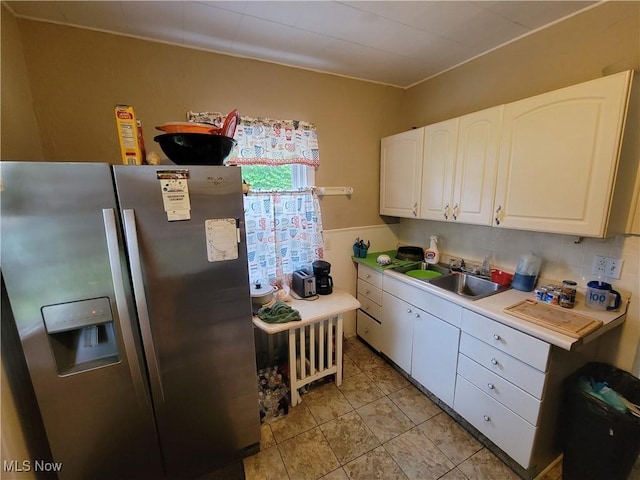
x=130 y=293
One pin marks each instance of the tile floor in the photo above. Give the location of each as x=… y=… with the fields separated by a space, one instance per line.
x=376 y=425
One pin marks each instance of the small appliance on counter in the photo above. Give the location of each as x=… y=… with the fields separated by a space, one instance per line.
x=324 y=282
x=303 y=283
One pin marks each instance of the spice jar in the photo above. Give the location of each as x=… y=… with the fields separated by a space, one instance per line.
x=568 y=294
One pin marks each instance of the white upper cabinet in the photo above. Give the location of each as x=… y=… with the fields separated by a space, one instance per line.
x=438 y=169
x=459 y=169
x=400 y=173
x=559 y=158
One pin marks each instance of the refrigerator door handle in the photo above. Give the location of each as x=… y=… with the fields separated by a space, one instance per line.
x=113 y=251
x=133 y=248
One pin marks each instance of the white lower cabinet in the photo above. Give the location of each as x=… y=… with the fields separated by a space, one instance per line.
x=510 y=432
x=368 y=317
x=501 y=387
x=521 y=402
x=369 y=329
x=397 y=329
x=421 y=335
x=435 y=356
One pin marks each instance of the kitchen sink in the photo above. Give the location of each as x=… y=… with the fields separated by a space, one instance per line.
x=441 y=269
x=467 y=285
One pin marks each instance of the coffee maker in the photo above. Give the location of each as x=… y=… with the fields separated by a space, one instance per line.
x=324 y=282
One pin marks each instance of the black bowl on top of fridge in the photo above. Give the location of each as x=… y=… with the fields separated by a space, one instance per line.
x=195 y=148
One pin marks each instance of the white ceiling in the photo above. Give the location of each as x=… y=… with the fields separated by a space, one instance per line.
x=393 y=42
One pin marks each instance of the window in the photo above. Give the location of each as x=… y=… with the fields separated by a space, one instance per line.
x=282 y=213
x=278 y=177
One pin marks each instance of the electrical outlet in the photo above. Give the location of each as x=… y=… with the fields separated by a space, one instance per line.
x=599 y=266
x=606 y=267
x=614 y=267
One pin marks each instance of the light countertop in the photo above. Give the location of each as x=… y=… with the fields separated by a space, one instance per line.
x=493 y=307
x=311 y=311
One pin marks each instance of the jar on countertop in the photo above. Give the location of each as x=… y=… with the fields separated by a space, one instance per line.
x=568 y=294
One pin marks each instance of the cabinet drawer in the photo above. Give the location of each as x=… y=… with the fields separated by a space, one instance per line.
x=503 y=427
x=368 y=274
x=370 y=291
x=436 y=306
x=369 y=306
x=514 y=398
x=517 y=344
x=368 y=329
x=519 y=373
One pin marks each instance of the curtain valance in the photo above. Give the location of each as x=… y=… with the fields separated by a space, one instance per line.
x=265 y=141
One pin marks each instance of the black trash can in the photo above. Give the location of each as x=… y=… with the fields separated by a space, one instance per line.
x=599 y=442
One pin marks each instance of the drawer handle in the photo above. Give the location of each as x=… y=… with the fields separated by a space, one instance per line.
x=366 y=332
x=367 y=292
x=487 y=418
x=367 y=307
x=496 y=336
x=494 y=361
x=491 y=386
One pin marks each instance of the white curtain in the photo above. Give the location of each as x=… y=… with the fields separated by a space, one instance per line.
x=284 y=234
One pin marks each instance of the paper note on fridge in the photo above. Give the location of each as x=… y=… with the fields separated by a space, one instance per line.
x=222 y=239
x=175 y=197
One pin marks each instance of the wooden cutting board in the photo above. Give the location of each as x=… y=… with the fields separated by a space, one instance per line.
x=554 y=317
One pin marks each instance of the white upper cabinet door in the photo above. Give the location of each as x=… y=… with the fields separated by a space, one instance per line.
x=400 y=173
x=459 y=169
x=438 y=170
x=559 y=156
x=476 y=166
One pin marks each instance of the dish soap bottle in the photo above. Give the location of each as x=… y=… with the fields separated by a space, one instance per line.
x=432 y=255
x=527 y=272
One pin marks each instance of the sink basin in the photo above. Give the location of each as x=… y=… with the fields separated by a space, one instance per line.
x=467 y=285
x=441 y=269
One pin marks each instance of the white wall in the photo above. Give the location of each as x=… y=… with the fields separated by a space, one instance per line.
x=338 y=252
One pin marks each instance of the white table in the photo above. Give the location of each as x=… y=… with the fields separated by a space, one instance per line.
x=321 y=331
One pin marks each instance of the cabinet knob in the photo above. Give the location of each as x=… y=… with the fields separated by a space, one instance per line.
x=496 y=336
x=487 y=418
x=368 y=275
x=366 y=332
x=367 y=292
x=417 y=315
x=367 y=307
x=494 y=361
x=497 y=218
x=491 y=386
x=408 y=310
